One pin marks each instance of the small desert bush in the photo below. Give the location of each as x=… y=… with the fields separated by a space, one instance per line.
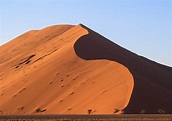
x=38 y=110
x=143 y=111
x=161 y=111
x=116 y=110
x=89 y=111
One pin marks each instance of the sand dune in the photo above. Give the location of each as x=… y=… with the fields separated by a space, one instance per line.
x=68 y=69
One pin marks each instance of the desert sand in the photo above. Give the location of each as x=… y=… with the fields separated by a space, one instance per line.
x=67 y=69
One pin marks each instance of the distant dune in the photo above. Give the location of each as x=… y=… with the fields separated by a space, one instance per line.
x=66 y=69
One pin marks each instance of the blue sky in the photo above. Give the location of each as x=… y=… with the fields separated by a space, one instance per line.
x=142 y=26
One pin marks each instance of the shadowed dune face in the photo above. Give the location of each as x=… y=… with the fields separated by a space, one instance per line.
x=92 y=46
x=153 y=82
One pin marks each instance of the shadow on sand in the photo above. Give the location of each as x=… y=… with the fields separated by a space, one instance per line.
x=152 y=81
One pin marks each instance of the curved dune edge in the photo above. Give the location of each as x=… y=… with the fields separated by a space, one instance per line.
x=56 y=69
x=46 y=73
x=121 y=92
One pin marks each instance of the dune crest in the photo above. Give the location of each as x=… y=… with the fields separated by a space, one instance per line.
x=43 y=71
x=66 y=69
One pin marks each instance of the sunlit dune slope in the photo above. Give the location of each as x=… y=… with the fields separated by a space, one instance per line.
x=55 y=71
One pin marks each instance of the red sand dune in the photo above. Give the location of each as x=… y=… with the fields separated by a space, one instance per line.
x=68 y=69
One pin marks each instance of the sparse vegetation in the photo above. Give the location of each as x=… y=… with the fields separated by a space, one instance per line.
x=38 y=110
x=20 y=108
x=116 y=110
x=143 y=111
x=89 y=111
x=161 y=111
x=133 y=117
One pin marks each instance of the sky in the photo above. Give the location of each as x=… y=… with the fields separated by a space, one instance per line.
x=141 y=26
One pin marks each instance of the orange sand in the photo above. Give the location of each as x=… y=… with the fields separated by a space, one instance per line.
x=68 y=69
x=42 y=70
